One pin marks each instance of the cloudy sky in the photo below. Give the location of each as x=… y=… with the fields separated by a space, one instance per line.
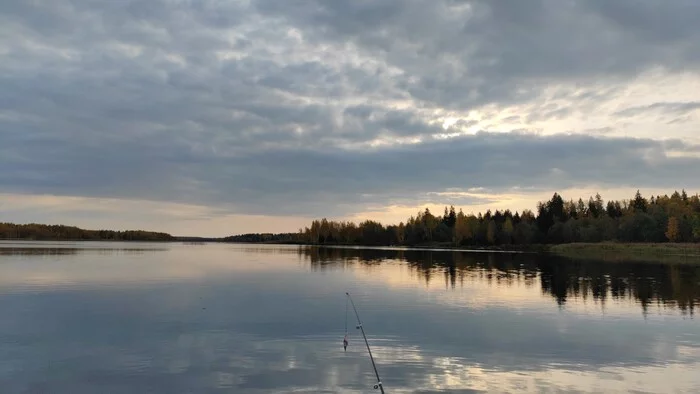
x=214 y=117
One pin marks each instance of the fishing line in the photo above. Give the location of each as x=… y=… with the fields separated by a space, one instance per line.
x=361 y=328
x=345 y=339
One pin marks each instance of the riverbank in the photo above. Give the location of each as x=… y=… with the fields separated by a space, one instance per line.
x=609 y=251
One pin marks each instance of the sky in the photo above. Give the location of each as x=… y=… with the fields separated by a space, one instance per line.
x=219 y=117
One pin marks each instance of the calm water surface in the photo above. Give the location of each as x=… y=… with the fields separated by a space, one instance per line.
x=171 y=318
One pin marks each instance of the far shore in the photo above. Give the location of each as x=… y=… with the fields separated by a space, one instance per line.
x=606 y=251
x=610 y=251
x=672 y=253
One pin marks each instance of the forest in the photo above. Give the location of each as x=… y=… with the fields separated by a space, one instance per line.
x=45 y=232
x=657 y=219
x=265 y=238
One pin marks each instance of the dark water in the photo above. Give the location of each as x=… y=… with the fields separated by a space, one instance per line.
x=170 y=318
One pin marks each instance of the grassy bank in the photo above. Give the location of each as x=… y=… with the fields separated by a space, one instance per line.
x=651 y=252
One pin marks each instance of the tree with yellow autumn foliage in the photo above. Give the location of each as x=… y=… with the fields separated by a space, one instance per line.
x=673 y=232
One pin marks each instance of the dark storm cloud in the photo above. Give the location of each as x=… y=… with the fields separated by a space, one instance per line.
x=270 y=106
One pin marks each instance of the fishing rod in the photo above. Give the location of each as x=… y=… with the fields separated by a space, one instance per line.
x=359 y=326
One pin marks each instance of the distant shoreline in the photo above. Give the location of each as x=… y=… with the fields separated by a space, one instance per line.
x=58 y=232
x=673 y=253
x=607 y=251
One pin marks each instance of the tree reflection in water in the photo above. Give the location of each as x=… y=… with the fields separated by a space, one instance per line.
x=667 y=285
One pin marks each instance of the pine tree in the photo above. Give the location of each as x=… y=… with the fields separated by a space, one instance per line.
x=581 y=208
x=451 y=217
x=639 y=204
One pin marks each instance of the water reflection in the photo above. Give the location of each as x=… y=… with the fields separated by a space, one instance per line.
x=269 y=319
x=60 y=248
x=20 y=251
x=53 y=251
x=671 y=286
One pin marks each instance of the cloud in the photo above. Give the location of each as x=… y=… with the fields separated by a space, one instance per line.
x=341 y=181
x=332 y=108
x=669 y=108
x=458 y=53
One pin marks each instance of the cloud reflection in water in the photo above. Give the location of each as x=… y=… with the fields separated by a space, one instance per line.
x=225 y=318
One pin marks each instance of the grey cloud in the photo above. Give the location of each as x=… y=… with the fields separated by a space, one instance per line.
x=550 y=112
x=680 y=108
x=377 y=122
x=512 y=119
x=664 y=22
x=255 y=98
x=680 y=120
x=477 y=52
x=255 y=106
x=468 y=123
x=598 y=131
x=680 y=146
x=306 y=181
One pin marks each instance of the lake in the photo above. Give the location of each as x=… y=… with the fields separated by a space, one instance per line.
x=223 y=318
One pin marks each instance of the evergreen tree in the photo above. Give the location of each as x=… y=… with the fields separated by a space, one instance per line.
x=581 y=208
x=639 y=204
x=450 y=217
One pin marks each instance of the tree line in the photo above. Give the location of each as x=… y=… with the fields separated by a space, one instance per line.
x=45 y=232
x=656 y=219
x=264 y=238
